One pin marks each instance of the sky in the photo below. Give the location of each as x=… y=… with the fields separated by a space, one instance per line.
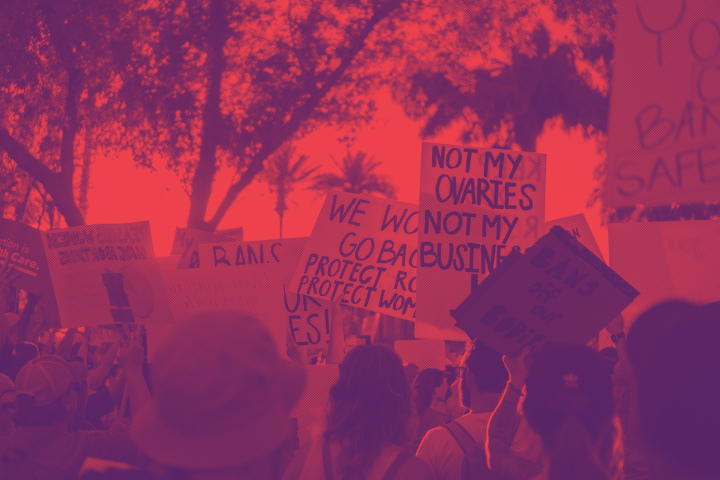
x=121 y=192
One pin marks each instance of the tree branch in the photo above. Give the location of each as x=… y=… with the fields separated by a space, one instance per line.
x=211 y=117
x=271 y=139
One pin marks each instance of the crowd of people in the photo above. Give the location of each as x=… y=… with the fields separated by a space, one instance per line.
x=216 y=401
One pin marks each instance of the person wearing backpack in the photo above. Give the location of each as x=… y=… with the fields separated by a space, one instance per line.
x=367 y=426
x=456 y=451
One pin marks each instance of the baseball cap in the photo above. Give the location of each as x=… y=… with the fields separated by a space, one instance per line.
x=44 y=379
x=222 y=394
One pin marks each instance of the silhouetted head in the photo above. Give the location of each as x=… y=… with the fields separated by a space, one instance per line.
x=426 y=384
x=568 y=380
x=484 y=367
x=369 y=406
x=569 y=403
x=675 y=354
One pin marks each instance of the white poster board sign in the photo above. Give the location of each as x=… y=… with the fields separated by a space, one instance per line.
x=476 y=205
x=105 y=274
x=363 y=252
x=664 y=125
x=666 y=261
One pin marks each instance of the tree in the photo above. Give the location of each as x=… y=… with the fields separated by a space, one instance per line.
x=510 y=95
x=356 y=176
x=230 y=82
x=197 y=84
x=282 y=174
x=56 y=82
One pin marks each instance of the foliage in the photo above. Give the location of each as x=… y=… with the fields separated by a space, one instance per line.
x=356 y=176
x=282 y=174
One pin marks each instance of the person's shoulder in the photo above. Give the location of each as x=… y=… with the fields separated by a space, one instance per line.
x=417 y=469
x=474 y=422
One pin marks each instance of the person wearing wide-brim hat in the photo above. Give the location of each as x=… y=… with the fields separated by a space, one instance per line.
x=222 y=396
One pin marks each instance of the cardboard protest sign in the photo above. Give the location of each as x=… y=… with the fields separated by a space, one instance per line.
x=251 y=276
x=664 y=125
x=362 y=251
x=187 y=240
x=425 y=353
x=666 y=261
x=578 y=226
x=22 y=246
x=556 y=292
x=105 y=274
x=476 y=206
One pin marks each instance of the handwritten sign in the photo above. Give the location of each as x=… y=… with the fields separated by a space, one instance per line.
x=557 y=291
x=251 y=276
x=105 y=274
x=187 y=240
x=578 y=226
x=476 y=206
x=21 y=246
x=363 y=251
x=667 y=260
x=664 y=126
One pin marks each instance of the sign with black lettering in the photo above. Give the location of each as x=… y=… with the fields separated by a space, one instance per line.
x=664 y=125
x=186 y=241
x=556 y=292
x=252 y=277
x=476 y=206
x=104 y=274
x=21 y=246
x=667 y=260
x=363 y=252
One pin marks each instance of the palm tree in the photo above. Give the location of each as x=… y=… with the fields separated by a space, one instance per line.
x=282 y=174
x=356 y=176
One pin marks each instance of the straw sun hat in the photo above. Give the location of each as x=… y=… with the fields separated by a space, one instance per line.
x=221 y=394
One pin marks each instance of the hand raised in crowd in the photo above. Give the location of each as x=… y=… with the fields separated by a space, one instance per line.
x=517 y=367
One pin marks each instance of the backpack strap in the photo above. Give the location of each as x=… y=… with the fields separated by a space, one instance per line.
x=474 y=455
x=395 y=466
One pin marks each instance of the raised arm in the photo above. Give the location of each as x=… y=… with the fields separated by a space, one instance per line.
x=504 y=424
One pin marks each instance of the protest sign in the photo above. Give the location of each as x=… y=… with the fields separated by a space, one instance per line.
x=578 y=226
x=187 y=240
x=251 y=277
x=362 y=251
x=106 y=274
x=666 y=261
x=425 y=353
x=22 y=246
x=476 y=205
x=664 y=124
x=556 y=292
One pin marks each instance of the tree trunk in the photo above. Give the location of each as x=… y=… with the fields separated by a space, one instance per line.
x=212 y=120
